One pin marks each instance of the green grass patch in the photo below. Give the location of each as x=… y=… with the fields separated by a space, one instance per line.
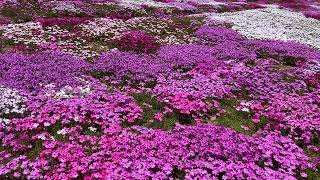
x=100 y=74
x=235 y=119
x=147 y=119
x=36 y=149
x=53 y=129
x=50 y=13
x=285 y=60
x=289 y=79
x=313 y=175
x=148 y=113
x=16 y=15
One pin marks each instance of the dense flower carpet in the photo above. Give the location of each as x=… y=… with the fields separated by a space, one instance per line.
x=159 y=89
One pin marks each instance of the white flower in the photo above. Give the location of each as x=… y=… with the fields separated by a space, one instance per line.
x=245 y=109
x=76 y=119
x=93 y=129
x=243 y=103
x=42 y=137
x=11 y=102
x=4 y=122
x=65 y=6
x=62 y=132
x=273 y=23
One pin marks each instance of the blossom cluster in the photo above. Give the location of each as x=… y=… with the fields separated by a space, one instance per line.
x=159 y=89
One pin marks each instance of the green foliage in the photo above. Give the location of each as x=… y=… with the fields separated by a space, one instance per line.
x=150 y=84
x=263 y=122
x=36 y=149
x=17 y=15
x=285 y=60
x=53 y=129
x=103 y=9
x=189 y=24
x=289 y=61
x=9 y=42
x=147 y=119
x=7 y=116
x=100 y=74
x=289 y=79
x=285 y=132
x=6 y=43
x=148 y=113
x=178 y=174
x=8 y=12
x=235 y=119
x=243 y=94
x=314 y=174
x=263 y=54
x=250 y=63
x=50 y=13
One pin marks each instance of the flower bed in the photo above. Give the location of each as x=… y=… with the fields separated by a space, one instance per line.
x=159 y=90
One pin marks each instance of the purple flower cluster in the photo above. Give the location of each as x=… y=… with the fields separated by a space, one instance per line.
x=33 y=72
x=222 y=107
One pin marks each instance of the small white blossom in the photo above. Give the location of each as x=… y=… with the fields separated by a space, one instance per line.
x=245 y=109
x=93 y=129
x=42 y=137
x=76 y=119
x=62 y=132
x=4 y=122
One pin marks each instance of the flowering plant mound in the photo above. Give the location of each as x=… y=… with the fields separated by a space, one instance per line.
x=62 y=21
x=137 y=41
x=33 y=72
x=159 y=89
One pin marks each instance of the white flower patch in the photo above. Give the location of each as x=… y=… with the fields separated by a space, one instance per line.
x=93 y=129
x=105 y=26
x=52 y=37
x=158 y=27
x=139 y=3
x=67 y=91
x=275 y=24
x=245 y=109
x=24 y=33
x=113 y=29
x=11 y=102
x=64 y=6
x=203 y=2
x=244 y=106
x=62 y=132
x=42 y=137
x=4 y=122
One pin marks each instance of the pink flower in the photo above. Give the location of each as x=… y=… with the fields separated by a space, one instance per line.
x=158 y=116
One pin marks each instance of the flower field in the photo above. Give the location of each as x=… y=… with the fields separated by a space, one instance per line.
x=160 y=89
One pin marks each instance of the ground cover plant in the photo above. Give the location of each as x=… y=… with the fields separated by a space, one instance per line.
x=159 y=89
